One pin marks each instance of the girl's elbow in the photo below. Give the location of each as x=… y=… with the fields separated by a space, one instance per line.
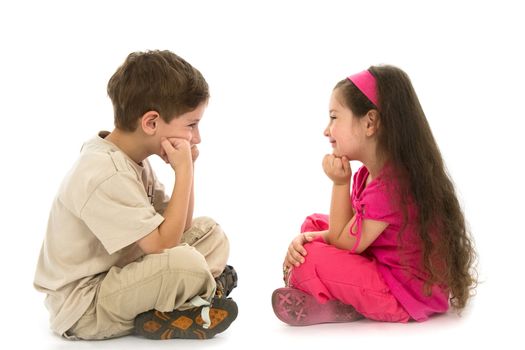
x=361 y=247
x=331 y=238
x=357 y=250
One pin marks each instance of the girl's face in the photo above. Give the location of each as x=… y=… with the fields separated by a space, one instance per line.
x=346 y=132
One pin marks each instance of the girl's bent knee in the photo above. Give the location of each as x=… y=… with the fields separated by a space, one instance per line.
x=315 y=250
x=315 y=256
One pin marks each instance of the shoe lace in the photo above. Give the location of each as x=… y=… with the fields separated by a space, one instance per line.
x=205 y=311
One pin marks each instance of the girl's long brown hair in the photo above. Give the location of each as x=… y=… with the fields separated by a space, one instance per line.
x=406 y=139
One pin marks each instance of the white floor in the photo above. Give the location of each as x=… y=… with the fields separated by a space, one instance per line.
x=484 y=323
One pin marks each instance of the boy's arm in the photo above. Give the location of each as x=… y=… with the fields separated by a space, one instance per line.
x=189 y=219
x=169 y=232
x=189 y=216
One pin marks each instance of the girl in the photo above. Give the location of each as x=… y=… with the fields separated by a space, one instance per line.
x=396 y=247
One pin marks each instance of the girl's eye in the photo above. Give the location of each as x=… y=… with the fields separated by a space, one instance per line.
x=332 y=117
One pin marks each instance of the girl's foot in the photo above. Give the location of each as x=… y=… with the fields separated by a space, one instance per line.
x=296 y=308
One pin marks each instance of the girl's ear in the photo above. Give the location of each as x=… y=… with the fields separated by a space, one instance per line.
x=372 y=122
x=149 y=122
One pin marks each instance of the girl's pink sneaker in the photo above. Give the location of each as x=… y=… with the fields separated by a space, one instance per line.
x=296 y=308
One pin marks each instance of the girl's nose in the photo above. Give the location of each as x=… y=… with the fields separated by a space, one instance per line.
x=327 y=131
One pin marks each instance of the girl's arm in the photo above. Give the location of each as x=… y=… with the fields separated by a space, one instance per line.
x=340 y=208
x=342 y=233
x=339 y=171
x=348 y=237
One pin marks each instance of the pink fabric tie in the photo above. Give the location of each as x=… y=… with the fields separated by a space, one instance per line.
x=359 y=223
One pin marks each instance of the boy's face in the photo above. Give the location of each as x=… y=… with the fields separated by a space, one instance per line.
x=185 y=126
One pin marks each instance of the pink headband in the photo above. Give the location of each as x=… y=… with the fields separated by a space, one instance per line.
x=366 y=83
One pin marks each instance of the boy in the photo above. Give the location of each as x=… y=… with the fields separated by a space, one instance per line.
x=119 y=255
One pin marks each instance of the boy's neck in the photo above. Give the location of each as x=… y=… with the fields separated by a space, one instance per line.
x=129 y=143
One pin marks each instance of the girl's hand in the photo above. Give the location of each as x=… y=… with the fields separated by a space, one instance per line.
x=176 y=152
x=337 y=169
x=296 y=252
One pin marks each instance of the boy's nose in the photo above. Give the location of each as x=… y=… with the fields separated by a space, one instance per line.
x=196 y=138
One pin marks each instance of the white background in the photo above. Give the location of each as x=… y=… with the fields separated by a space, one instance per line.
x=271 y=66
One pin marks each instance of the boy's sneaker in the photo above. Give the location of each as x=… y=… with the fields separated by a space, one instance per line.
x=296 y=308
x=226 y=281
x=187 y=324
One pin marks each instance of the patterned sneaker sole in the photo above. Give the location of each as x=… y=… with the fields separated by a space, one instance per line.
x=297 y=308
x=186 y=324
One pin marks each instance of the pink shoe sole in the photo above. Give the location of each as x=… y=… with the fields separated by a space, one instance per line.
x=297 y=308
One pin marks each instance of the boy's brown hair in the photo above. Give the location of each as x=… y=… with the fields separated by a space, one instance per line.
x=157 y=81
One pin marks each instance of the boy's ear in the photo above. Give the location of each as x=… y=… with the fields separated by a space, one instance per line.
x=372 y=122
x=149 y=122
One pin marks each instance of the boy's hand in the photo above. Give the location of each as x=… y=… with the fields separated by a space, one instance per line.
x=296 y=252
x=194 y=153
x=176 y=152
x=337 y=169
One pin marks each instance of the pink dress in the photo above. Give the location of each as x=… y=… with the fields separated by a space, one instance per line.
x=381 y=283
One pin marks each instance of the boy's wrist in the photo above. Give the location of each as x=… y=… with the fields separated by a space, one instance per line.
x=186 y=167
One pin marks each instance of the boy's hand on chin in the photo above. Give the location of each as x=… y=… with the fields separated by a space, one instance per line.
x=177 y=152
x=194 y=152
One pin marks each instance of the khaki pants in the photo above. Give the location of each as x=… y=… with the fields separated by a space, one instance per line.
x=164 y=282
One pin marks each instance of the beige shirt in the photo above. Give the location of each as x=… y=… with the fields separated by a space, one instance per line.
x=105 y=204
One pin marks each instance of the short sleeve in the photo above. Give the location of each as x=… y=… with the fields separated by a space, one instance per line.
x=371 y=202
x=376 y=204
x=119 y=213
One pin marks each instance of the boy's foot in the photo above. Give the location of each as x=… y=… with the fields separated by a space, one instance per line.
x=187 y=324
x=296 y=308
x=226 y=281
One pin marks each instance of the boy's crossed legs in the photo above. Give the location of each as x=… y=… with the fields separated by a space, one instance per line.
x=181 y=279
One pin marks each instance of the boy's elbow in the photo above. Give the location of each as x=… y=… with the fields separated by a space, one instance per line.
x=154 y=243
